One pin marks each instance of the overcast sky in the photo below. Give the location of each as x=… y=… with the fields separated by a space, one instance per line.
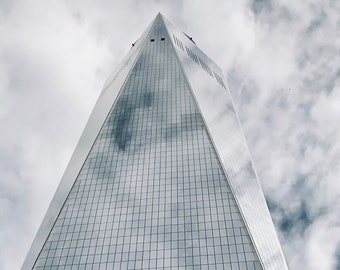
x=281 y=60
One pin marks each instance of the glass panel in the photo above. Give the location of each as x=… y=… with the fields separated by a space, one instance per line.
x=151 y=193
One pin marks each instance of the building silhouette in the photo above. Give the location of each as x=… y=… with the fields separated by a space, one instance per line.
x=161 y=177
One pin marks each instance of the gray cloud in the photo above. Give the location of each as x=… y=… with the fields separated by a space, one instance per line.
x=259 y=6
x=296 y=123
x=337 y=256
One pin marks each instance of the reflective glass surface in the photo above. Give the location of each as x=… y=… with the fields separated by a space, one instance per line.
x=215 y=103
x=152 y=193
x=93 y=126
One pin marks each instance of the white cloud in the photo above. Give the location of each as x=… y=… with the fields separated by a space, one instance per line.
x=290 y=121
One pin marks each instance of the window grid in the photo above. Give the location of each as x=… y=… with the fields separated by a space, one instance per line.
x=151 y=193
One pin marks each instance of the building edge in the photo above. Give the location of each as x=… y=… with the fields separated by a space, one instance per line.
x=104 y=103
x=267 y=263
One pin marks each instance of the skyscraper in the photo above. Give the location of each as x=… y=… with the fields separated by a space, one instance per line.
x=161 y=177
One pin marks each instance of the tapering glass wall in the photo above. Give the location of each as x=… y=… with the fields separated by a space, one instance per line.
x=151 y=193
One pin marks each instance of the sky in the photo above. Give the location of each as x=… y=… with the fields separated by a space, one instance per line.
x=281 y=61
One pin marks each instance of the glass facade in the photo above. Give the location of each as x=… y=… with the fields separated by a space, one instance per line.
x=152 y=192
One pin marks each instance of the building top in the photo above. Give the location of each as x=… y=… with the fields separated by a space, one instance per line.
x=211 y=107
